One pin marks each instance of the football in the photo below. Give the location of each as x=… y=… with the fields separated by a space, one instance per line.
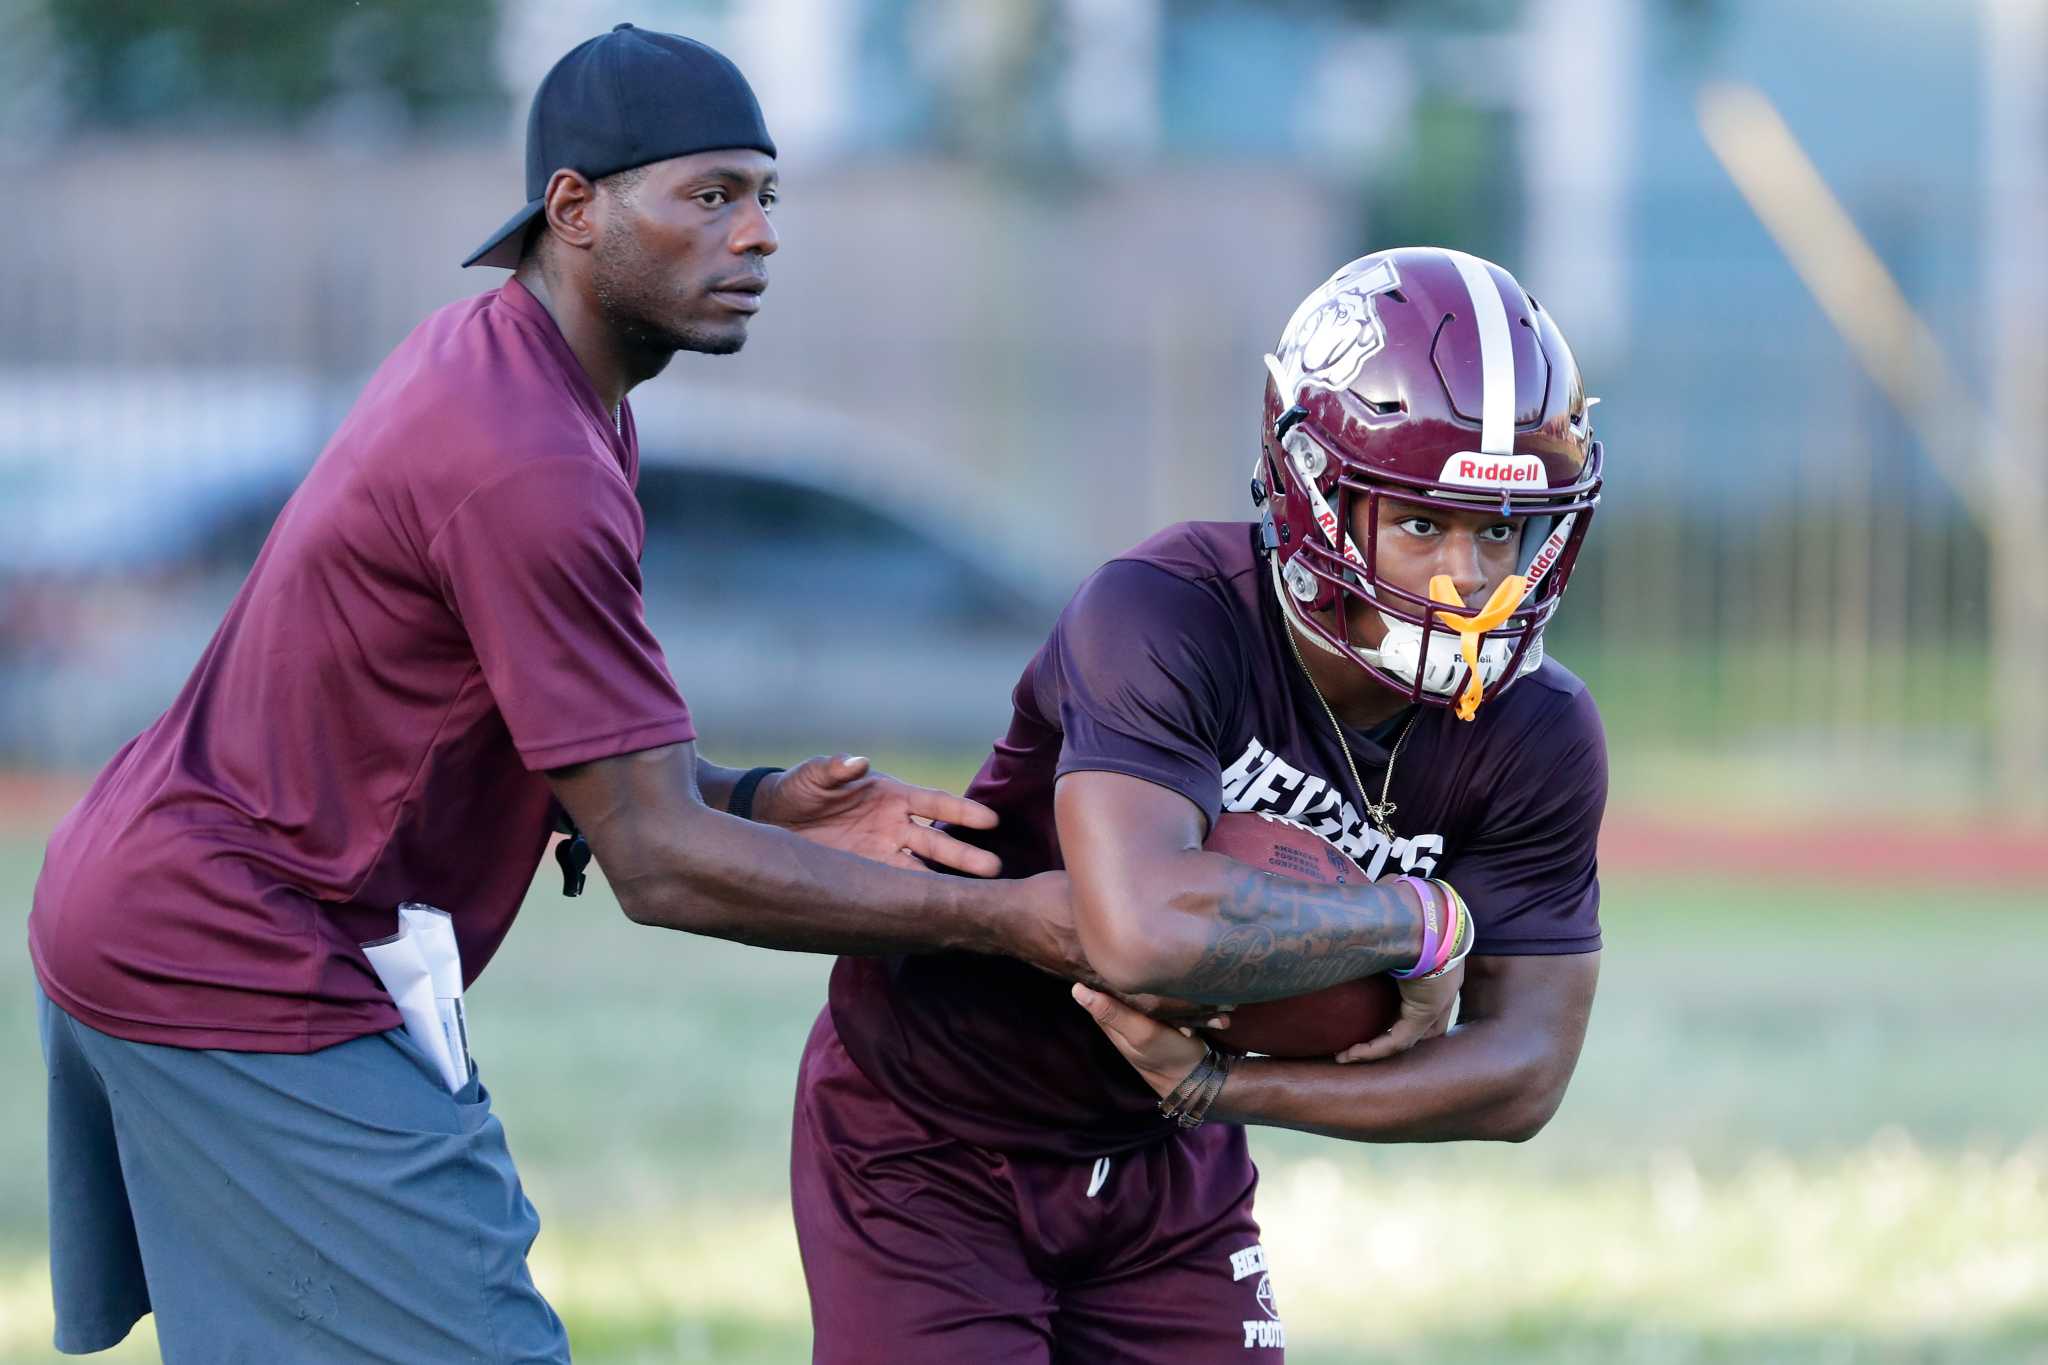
x=1321 y=1023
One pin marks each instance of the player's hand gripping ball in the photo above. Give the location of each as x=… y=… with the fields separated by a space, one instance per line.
x=1321 y=1023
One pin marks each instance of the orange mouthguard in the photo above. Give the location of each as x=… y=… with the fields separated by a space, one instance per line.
x=1489 y=617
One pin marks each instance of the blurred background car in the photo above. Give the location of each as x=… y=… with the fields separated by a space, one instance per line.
x=800 y=594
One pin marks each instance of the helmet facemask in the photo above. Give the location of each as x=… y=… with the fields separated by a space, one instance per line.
x=1433 y=645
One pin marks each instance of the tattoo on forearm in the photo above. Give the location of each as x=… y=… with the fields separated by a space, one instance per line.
x=1274 y=937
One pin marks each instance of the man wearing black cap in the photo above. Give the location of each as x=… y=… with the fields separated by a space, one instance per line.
x=440 y=651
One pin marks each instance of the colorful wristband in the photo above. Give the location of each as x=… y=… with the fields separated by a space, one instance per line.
x=1448 y=932
x=1460 y=946
x=1433 y=930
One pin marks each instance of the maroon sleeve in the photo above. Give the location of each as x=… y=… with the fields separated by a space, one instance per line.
x=1532 y=876
x=542 y=565
x=1142 y=671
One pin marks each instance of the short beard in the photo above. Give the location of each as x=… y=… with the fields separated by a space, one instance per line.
x=620 y=272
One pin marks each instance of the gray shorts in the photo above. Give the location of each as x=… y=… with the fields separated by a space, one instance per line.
x=339 y=1205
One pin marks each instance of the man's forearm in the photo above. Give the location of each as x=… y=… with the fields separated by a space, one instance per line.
x=715 y=783
x=1236 y=935
x=753 y=884
x=1478 y=1082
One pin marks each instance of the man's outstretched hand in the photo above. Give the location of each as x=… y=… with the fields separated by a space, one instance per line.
x=843 y=803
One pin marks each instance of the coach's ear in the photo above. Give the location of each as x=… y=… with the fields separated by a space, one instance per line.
x=570 y=207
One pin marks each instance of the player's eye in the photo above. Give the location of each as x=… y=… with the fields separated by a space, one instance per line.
x=1500 y=533
x=769 y=199
x=710 y=199
x=1417 y=526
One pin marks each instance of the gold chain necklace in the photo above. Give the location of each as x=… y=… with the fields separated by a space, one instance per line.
x=1379 y=812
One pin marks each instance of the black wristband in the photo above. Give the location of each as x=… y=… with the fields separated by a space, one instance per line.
x=741 y=802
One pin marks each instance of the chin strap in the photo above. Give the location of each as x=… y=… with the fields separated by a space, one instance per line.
x=1498 y=608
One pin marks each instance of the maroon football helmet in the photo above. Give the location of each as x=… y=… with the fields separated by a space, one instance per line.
x=1430 y=376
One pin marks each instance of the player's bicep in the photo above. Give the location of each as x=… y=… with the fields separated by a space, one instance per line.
x=1123 y=840
x=1545 y=1000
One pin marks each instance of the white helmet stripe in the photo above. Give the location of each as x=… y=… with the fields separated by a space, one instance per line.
x=1496 y=356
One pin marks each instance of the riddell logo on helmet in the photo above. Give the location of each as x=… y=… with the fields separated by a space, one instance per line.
x=1471 y=468
x=1547 y=553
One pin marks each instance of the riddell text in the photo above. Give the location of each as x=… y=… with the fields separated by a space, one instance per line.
x=1500 y=471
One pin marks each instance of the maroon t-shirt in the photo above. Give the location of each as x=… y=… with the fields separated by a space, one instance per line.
x=1171 y=664
x=449 y=604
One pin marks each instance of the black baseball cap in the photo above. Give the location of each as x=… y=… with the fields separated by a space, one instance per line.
x=624 y=99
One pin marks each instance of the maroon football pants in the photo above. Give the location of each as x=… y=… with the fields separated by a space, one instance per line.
x=921 y=1248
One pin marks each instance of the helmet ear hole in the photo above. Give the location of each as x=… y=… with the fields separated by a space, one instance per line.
x=1308 y=457
x=1301 y=583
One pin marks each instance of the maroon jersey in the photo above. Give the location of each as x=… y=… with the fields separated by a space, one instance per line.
x=448 y=604
x=1172 y=664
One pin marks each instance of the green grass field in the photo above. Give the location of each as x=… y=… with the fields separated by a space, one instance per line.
x=1822 y=1139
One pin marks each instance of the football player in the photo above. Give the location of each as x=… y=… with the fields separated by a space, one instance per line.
x=983 y=1171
